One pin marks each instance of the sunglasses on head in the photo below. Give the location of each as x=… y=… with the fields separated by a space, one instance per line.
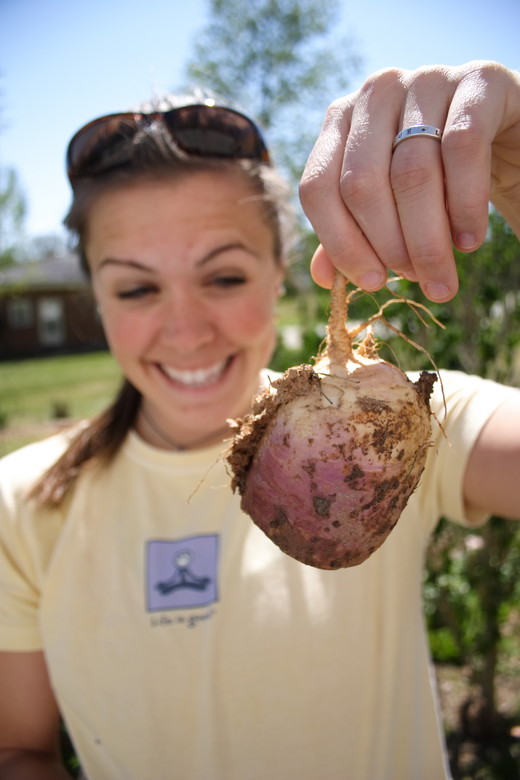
x=202 y=130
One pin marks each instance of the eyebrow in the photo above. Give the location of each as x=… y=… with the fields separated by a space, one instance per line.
x=107 y=261
x=136 y=264
x=225 y=248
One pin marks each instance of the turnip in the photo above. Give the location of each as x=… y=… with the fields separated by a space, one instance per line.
x=331 y=453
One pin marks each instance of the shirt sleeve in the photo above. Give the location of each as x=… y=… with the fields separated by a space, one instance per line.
x=19 y=594
x=27 y=538
x=461 y=406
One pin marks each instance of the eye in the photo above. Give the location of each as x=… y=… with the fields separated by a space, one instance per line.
x=135 y=293
x=225 y=281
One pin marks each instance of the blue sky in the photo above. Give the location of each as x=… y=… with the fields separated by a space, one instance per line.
x=63 y=62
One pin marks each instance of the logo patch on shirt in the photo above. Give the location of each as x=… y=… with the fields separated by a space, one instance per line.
x=181 y=574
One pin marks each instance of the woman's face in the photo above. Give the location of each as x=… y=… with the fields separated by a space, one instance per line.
x=186 y=281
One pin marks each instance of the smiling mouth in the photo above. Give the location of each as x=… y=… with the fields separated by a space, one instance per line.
x=200 y=377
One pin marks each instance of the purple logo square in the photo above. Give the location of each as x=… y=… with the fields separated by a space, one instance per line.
x=181 y=574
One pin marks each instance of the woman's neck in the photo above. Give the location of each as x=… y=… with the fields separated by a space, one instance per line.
x=153 y=433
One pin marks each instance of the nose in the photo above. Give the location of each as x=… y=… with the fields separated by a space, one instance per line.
x=185 y=323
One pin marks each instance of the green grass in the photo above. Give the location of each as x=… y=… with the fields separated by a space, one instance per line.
x=35 y=393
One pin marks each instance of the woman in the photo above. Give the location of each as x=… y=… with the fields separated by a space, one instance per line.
x=137 y=601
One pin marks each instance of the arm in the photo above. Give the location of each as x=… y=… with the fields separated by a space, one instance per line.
x=492 y=478
x=29 y=720
x=374 y=210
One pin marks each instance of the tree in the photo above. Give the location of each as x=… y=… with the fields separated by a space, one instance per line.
x=13 y=209
x=281 y=61
x=44 y=247
x=472 y=589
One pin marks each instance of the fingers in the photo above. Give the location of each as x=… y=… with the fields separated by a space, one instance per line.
x=361 y=227
x=375 y=210
x=475 y=112
x=417 y=177
x=418 y=185
x=365 y=185
x=322 y=270
x=347 y=247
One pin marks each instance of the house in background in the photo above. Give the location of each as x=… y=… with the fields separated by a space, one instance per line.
x=47 y=308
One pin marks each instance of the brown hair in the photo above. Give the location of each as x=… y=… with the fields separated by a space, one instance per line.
x=153 y=157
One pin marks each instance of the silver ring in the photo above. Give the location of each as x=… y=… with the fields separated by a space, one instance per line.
x=409 y=132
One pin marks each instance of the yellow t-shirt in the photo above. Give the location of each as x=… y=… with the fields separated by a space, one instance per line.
x=181 y=643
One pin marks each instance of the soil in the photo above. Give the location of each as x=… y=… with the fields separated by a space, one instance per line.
x=476 y=750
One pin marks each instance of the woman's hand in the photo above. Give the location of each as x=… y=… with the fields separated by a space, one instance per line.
x=375 y=209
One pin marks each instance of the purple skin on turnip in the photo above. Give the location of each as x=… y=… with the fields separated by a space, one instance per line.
x=331 y=453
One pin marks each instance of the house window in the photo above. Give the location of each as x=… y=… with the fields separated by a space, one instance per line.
x=51 y=322
x=20 y=313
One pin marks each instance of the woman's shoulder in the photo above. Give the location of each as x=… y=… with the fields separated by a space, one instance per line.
x=22 y=467
x=456 y=392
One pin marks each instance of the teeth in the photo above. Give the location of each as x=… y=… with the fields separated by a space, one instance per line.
x=197 y=378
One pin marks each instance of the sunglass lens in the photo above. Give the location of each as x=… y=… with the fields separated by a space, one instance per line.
x=101 y=145
x=206 y=130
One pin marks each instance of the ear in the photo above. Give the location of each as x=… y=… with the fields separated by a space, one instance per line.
x=279 y=282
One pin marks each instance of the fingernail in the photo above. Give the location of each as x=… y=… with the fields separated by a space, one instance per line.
x=466 y=241
x=371 y=280
x=437 y=291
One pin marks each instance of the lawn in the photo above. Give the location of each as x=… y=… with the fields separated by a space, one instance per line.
x=37 y=394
